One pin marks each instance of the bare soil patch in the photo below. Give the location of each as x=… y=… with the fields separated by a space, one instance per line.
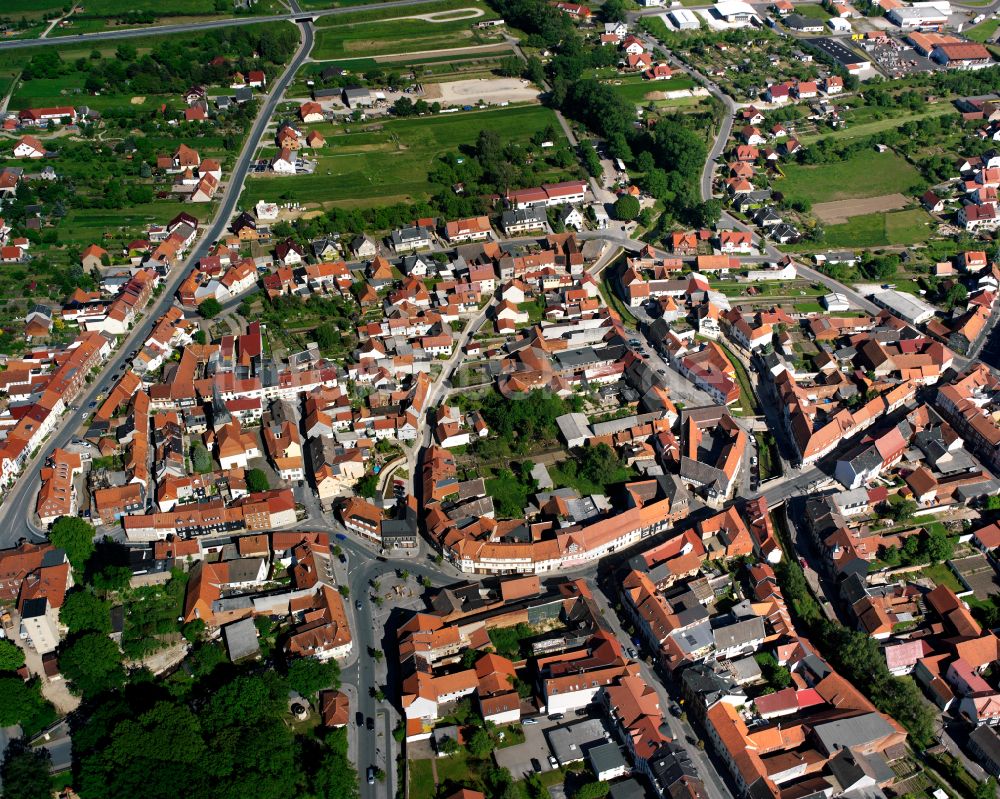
x=840 y=211
x=490 y=90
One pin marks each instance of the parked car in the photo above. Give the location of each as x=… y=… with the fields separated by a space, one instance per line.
x=341 y=537
x=370 y=723
x=675 y=710
x=357 y=604
x=553 y=762
x=535 y=765
x=530 y=721
x=359 y=718
x=557 y=717
x=371 y=775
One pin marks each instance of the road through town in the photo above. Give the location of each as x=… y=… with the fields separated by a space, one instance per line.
x=17 y=508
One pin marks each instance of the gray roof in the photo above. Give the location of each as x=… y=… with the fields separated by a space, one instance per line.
x=241 y=639
x=627 y=789
x=855 y=731
x=573 y=426
x=522 y=216
x=605 y=757
x=569 y=742
x=739 y=634
x=694 y=638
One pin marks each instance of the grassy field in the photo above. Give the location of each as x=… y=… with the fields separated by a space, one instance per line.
x=86 y=226
x=388 y=37
x=812 y=11
x=984 y=31
x=114 y=8
x=363 y=14
x=879 y=230
x=878 y=125
x=391 y=164
x=634 y=88
x=866 y=174
x=29 y=8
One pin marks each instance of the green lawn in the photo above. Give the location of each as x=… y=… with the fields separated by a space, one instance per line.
x=879 y=230
x=942 y=575
x=767 y=464
x=615 y=303
x=748 y=400
x=421 y=779
x=374 y=166
x=812 y=11
x=635 y=88
x=984 y=31
x=866 y=174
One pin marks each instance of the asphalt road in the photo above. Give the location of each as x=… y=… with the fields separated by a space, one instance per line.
x=196 y=25
x=18 y=506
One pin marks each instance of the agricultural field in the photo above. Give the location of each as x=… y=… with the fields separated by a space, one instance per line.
x=381 y=163
x=866 y=174
x=404 y=35
x=901 y=228
x=103 y=15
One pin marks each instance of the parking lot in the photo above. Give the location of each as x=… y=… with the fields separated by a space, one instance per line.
x=977 y=571
x=518 y=758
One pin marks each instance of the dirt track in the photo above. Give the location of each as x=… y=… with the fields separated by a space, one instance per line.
x=839 y=211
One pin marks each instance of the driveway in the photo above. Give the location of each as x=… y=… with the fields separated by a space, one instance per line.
x=518 y=758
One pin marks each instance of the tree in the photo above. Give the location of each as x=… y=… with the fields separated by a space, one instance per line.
x=194 y=630
x=379 y=655
x=257 y=480
x=480 y=744
x=210 y=308
x=448 y=745
x=903 y=510
x=75 y=537
x=92 y=664
x=308 y=676
x=83 y=611
x=613 y=10
x=327 y=336
x=939 y=547
x=11 y=656
x=199 y=337
x=600 y=464
x=201 y=458
x=592 y=790
x=367 y=486
x=986 y=789
x=626 y=208
x=26 y=772
x=22 y=703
